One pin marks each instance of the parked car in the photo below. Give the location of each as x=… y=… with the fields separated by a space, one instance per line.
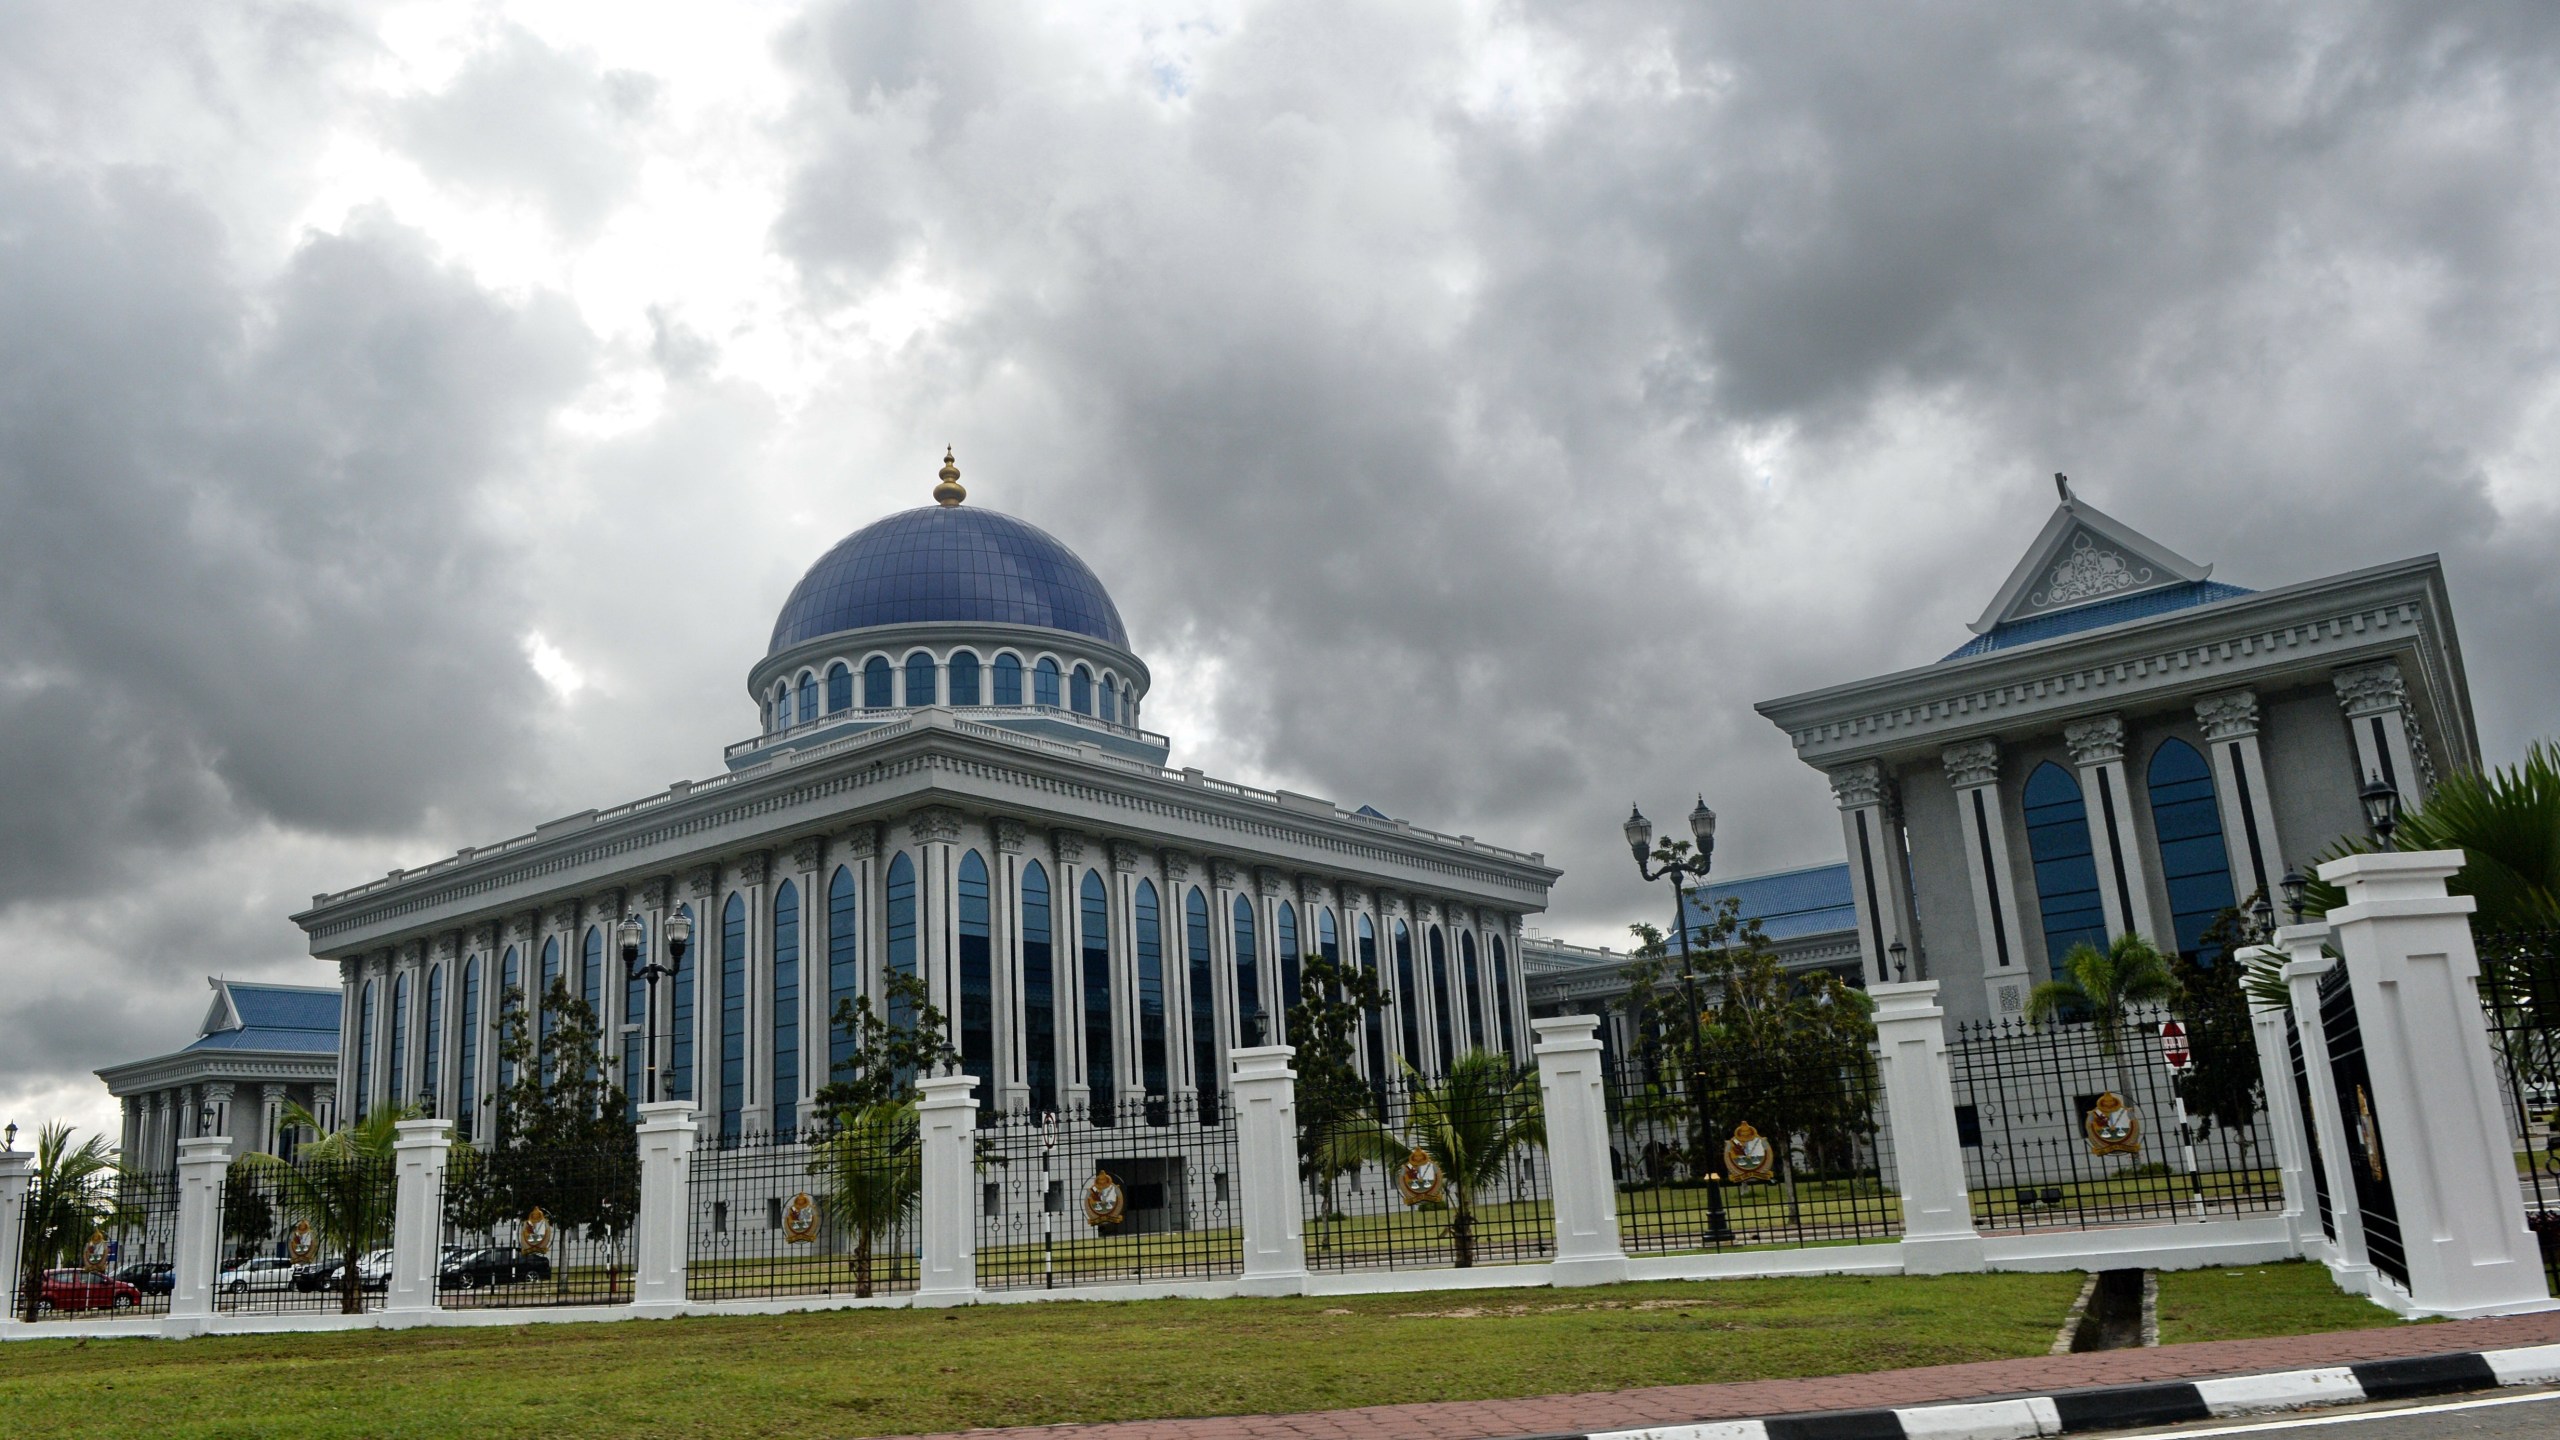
x=373 y=1270
x=84 y=1290
x=264 y=1272
x=318 y=1275
x=151 y=1278
x=496 y=1265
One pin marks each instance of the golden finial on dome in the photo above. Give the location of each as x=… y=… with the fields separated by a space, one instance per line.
x=949 y=492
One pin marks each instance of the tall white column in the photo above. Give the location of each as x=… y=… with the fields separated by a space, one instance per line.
x=196 y=1257
x=417 y=1158
x=1570 y=1090
x=2326 y=1124
x=2230 y=722
x=948 y=1118
x=1920 y=1109
x=933 y=832
x=2124 y=883
x=2376 y=703
x=17 y=1169
x=1973 y=768
x=662 y=1231
x=1275 y=1242
x=755 y=1067
x=2444 y=1146
x=2284 y=1112
x=1013 y=1039
x=1128 y=1054
x=1878 y=868
x=1066 y=929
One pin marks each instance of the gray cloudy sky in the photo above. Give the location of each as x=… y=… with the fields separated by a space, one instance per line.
x=412 y=415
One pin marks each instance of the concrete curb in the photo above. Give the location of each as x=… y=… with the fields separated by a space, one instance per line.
x=2070 y=1412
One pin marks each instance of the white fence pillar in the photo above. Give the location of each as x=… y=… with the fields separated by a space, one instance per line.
x=195 y=1258
x=2444 y=1143
x=17 y=1171
x=1920 y=1112
x=2326 y=1124
x=664 y=1229
x=1571 y=1089
x=949 y=1118
x=1275 y=1239
x=2285 y=1120
x=417 y=1213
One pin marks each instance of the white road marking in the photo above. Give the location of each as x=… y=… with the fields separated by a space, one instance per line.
x=2307 y=1421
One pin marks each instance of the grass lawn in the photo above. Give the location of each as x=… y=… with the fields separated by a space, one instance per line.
x=888 y=1372
x=2294 y=1298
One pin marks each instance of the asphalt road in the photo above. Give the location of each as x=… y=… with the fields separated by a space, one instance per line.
x=2532 y=1416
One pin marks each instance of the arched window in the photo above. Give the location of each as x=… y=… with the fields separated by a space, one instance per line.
x=808 y=697
x=1474 y=982
x=1376 y=1022
x=878 y=683
x=1008 y=680
x=364 y=1051
x=1080 y=691
x=635 y=1011
x=431 y=1023
x=733 y=1015
x=1153 y=1041
x=964 y=677
x=1440 y=1012
x=1502 y=996
x=466 y=1068
x=1408 y=1000
x=977 y=976
x=1044 y=683
x=2066 y=870
x=591 y=976
x=1039 y=987
x=1284 y=948
x=839 y=687
x=397 y=1093
x=901 y=915
x=1328 y=940
x=844 y=966
x=680 y=1020
x=782 y=706
x=544 y=1005
x=1107 y=699
x=1249 y=1019
x=1204 y=1002
x=1093 y=933
x=920 y=680
x=2188 y=825
x=1129 y=706
x=510 y=1000
x=786 y=1007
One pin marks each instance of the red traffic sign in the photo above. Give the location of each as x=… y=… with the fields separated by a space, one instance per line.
x=2173 y=1046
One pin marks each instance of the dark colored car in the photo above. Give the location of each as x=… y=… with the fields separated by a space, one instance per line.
x=496 y=1265
x=84 y=1290
x=149 y=1278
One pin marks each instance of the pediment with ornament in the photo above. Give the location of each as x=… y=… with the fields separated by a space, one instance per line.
x=2085 y=556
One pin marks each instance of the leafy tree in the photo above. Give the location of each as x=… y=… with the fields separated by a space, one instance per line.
x=889 y=1051
x=72 y=1194
x=2223 y=1087
x=1335 y=998
x=2506 y=822
x=872 y=1159
x=1470 y=1124
x=247 y=1219
x=1789 y=1053
x=563 y=1143
x=341 y=1184
x=2102 y=985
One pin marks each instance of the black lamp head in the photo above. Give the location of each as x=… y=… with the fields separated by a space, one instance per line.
x=1639 y=832
x=1901 y=954
x=2295 y=885
x=2381 y=809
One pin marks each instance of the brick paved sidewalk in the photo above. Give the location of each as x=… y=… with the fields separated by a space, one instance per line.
x=1678 y=1404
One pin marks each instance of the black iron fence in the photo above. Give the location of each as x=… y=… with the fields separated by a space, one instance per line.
x=1447 y=1172
x=2520 y=997
x=1749 y=1157
x=104 y=1253
x=307 y=1235
x=2070 y=1122
x=1152 y=1193
x=538 y=1225
x=819 y=1211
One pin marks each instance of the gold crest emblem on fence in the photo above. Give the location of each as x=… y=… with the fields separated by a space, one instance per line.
x=534 y=1235
x=800 y=1220
x=93 y=1256
x=1420 y=1179
x=1748 y=1156
x=301 y=1245
x=2369 y=1134
x=1106 y=1200
x=2114 y=1127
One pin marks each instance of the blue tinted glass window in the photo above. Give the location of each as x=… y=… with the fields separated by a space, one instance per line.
x=977 y=976
x=1044 y=682
x=1408 y=999
x=1249 y=1024
x=1468 y=972
x=2188 y=825
x=920 y=679
x=786 y=1006
x=466 y=1069
x=364 y=1052
x=1008 y=680
x=510 y=998
x=876 y=683
x=964 y=678
x=431 y=1023
x=1094 y=933
x=1284 y=948
x=733 y=1015
x=1377 y=1021
x=808 y=697
x=398 y=1091
x=1080 y=691
x=1204 y=1009
x=839 y=687
x=901 y=915
x=1039 y=988
x=635 y=1011
x=1152 y=1041
x=542 y=1003
x=1440 y=1012
x=1502 y=995
x=1109 y=709
x=2066 y=869
x=591 y=974
x=844 y=967
x=947 y=563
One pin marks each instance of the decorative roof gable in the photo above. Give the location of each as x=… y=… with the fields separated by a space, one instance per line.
x=224 y=1015
x=2085 y=556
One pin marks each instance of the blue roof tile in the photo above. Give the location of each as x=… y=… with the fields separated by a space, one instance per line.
x=1789 y=904
x=2096 y=617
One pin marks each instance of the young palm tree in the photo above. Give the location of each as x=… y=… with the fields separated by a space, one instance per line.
x=342 y=1183
x=873 y=1166
x=70 y=1198
x=2105 y=983
x=2507 y=824
x=1469 y=1125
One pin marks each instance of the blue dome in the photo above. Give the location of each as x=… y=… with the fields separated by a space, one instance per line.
x=947 y=562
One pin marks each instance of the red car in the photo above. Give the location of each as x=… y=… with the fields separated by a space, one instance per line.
x=82 y=1290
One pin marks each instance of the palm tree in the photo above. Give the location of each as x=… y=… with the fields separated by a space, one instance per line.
x=2507 y=824
x=70 y=1198
x=342 y=1184
x=873 y=1165
x=1469 y=1126
x=2104 y=984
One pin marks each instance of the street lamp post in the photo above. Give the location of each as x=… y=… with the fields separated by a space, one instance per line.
x=2381 y=809
x=1674 y=861
x=633 y=935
